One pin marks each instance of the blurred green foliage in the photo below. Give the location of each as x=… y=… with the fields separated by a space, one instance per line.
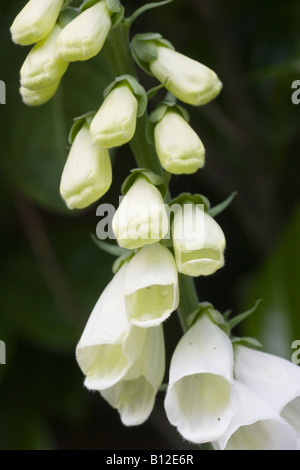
x=51 y=271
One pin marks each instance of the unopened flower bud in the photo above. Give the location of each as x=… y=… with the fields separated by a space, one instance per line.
x=199 y=242
x=179 y=148
x=85 y=35
x=115 y=122
x=42 y=66
x=188 y=80
x=35 y=21
x=87 y=174
x=38 y=97
x=141 y=217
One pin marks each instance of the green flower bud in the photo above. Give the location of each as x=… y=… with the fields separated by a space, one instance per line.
x=179 y=148
x=84 y=36
x=38 y=97
x=87 y=174
x=115 y=122
x=188 y=80
x=35 y=21
x=43 y=67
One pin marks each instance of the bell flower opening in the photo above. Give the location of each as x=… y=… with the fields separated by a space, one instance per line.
x=141 y=217
x=42 y=66
x=200 y=400
x=35 y=21
x=188 y=80
x=84 y=37
x=151 y=286
x=179 y=148
x=134 y=395
x=87 y=174
x=110 y=344
x=115 y=122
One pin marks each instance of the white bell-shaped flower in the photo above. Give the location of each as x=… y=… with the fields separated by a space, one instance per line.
x=134 y=395
x=84 y=36
x=38 y=97
x=198 y=240
x=35 y=21
x=178 y=147
x=141 y=217
x=200 y=399
x=43 y=66
x=110 y=344
x=255 y=426
x=188 y=80
x=87 y=174
x=151 y=286
x=115 y=122
x=273 y=378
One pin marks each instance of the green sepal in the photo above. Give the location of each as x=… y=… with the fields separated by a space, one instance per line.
x=148 y=6
x=117 y=17
x=109 y=248
x=206 y=308
x=214 y=211
x=136 y=87
x=242 y=316
x=144 y=48
x=152 y=92
x=187 y=198
x=121 y=260
x=163 y=387
x=78 y=123
x=114 y=6
x=66 y=4
x=153 y=178
x=159 y=112
x=67 y=15
x=247 y=341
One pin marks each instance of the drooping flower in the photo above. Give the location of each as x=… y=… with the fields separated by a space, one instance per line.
x=199 y=241
x=141 y=217
x=200 y=399
x=84 y=37
x=115 y=122
x=179 y=148
x=35 y=21
x=274 y=379
x=188 y=80
x=134 y=395
x=38 y=97
x=151 y=286
x=87 y=174
x=43 y=67
x=255 y=426
x=110 y=345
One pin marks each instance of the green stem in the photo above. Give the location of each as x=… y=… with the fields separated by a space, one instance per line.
x=117 y=49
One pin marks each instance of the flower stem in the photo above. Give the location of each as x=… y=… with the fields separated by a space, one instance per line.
x=117 y=50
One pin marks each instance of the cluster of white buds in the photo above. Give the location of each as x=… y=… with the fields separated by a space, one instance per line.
x=219 y=390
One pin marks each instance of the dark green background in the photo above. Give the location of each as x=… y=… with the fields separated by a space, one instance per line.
x=51 y=271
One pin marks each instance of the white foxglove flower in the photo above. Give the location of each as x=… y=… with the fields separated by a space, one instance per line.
x=255 y=426
x=198 y=240
x=273 y=378
x=134 y=395
x=87 y=174
x=188 y=80
x=43 y=67
x=115 y=122
x=200 y=399
x=151 y=286
x=178 y=147
x=141 y=217
x=84 y=36
x=38 y=97
x=35 y=21
x=110 y=344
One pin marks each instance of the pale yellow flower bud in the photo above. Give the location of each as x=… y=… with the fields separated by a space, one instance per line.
x=188 y=80
x=179 y=148
x=43 y=67
x=87 y=174
x=84 y=36
x=38 y=97
x=35 y=21
x=115 y=122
